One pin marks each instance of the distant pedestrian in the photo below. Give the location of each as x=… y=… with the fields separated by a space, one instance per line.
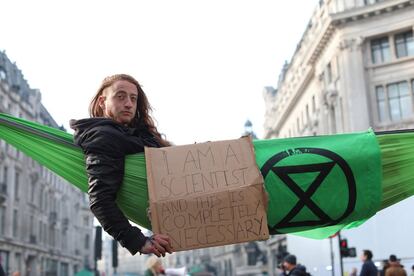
x=385 y=266
x=368 y=267
x=395 y=268
x=2 y=273
x=291 y=268
x=154 y=267
x=354 y=272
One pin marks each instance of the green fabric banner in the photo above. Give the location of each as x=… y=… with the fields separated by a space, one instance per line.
x=313 y=182
x=55 y=150
x=322 y=182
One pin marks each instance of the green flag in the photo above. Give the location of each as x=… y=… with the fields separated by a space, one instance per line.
x=326 y=181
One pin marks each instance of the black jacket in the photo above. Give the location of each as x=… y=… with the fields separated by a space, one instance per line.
x=105 y=144
x=298 y=270
x=2 y=273
x=369 y=269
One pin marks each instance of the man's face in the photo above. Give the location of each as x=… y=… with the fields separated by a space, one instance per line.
x=288 y=266
x=363 y=257
x=119 y=101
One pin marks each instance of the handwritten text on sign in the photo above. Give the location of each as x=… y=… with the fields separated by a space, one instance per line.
x=207 y=194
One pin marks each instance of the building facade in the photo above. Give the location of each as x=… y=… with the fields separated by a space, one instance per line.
x=352 y=69
x=46 y=227
x=247 y=259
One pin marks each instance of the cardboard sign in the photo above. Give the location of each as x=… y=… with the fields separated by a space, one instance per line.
x=207 y=194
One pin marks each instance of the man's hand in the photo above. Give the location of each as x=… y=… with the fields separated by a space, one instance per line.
x=158 y=244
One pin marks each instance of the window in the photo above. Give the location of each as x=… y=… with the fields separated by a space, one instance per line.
x=31 y=223
x=18 y=261
x=45 y=201
x=51 y=236
x=64 y=239
x=40 y=232
x=394 y=102
x=32 y=191
x=328 y=75
x=86 y=241
x=3 y=74
x=313 y=104
x=404 y=44
x=64 y=269
x=381 y=103
x=399 y=101
x=2 y=219
x=5 y=171
x=369 y=2
x=15 y=222
x=44 y=233
x=412 y=86
x=41 y=193
x=380 y=50
x=16 y=185
x=4 y=260
x=3 y=183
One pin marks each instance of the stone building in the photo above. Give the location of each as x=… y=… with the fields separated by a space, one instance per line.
x=248 y=259
x=46 y=227
x=127 y=264
x=352 y=69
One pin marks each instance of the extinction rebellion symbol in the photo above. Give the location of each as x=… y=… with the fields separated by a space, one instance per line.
x=280 y=166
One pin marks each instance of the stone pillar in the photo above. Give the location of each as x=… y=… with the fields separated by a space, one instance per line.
x=353 y=87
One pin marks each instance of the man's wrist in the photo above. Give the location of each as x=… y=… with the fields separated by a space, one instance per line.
x=132 y=239
x=148 y=242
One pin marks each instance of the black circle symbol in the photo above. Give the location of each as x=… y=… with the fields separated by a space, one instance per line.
x=305 y=196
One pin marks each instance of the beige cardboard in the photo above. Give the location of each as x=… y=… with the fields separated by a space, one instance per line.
x=207 y=194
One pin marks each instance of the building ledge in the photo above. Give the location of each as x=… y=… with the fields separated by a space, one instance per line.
x=251 y=270
x=390 y=63
x=369 y=10
x=403 y=124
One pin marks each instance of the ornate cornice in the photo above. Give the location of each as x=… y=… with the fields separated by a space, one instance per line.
x=335 y=20
x=367 y=11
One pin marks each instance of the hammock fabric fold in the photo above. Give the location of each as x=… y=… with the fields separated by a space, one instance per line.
x=384 y=161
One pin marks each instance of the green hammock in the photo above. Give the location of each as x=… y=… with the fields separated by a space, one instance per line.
x=376 y=172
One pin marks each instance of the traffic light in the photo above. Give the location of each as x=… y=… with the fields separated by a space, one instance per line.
x=114 y=254
x=345 y=250
x=343 y=247
x=98 y=243
x=352 y=252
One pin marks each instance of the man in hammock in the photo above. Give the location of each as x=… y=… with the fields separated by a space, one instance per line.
x=120 y=125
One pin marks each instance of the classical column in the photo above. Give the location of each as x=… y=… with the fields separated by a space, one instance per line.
x=353 y=85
